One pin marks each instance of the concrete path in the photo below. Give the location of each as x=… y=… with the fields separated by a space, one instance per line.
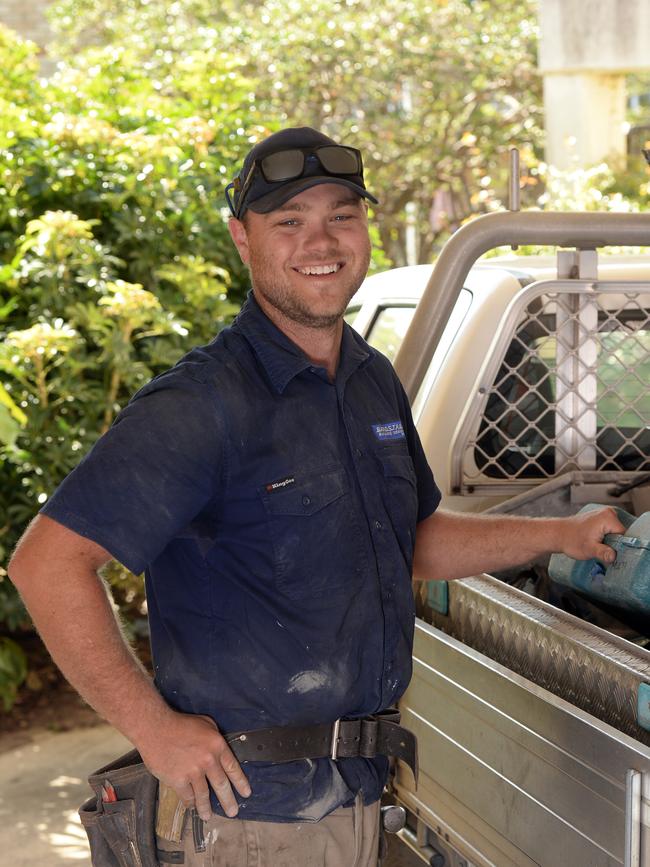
x=42 y=785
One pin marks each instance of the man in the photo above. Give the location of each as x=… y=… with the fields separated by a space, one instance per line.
x=270 y=486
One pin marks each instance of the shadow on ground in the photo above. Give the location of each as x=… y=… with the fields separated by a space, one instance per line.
x=42 y=785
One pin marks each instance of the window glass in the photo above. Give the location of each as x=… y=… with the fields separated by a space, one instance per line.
x=389 y=328
x=622 y=376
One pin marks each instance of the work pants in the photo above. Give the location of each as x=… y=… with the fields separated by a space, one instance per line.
x=348 y=837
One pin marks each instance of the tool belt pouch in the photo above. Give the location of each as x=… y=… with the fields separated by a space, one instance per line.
x=121 y=832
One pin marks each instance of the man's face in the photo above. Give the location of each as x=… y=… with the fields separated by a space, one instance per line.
x=308 y=257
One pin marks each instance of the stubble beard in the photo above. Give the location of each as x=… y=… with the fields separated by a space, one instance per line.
x=267 y=284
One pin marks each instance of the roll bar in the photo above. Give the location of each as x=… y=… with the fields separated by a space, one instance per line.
x=584 y=231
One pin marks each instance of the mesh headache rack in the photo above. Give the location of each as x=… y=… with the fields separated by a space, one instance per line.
x=565 y=387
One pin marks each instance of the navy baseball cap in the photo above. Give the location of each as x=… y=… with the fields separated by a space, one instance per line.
x=289 y=162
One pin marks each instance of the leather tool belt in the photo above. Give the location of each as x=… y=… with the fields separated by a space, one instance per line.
x=376 y=735
x=121 y=816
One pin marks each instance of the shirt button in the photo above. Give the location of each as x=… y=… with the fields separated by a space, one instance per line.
x=378 y=525
x=358 y=452
x=306 y=501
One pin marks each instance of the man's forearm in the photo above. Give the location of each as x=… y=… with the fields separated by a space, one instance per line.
x=451 y=545
x=55 y=570
x=90 y=648
x=81 y=632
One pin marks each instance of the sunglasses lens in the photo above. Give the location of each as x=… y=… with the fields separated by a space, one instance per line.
x=283 y=165
x=340 y=160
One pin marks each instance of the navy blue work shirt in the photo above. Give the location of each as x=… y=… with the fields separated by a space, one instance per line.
x=273 y=513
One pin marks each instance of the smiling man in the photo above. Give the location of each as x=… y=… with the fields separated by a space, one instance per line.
x=305 y=240
x=307 y=283
x=270 y=486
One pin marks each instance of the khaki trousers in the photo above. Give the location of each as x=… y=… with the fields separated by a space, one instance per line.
x=348 y=837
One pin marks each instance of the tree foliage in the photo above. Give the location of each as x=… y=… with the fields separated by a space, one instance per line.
x=114 y=251
x=433 y=91
x=114 y=259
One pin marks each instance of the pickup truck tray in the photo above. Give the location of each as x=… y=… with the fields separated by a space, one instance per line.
x=605 y=675
x=511 y=774
x=533 y=725
x=531 y=722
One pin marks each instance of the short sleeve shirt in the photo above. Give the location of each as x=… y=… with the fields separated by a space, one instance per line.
x=273 y=512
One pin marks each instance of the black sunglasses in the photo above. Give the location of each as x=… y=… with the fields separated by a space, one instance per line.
x=290 y=164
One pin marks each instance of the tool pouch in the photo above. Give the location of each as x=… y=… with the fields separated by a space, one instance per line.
x=121 y=833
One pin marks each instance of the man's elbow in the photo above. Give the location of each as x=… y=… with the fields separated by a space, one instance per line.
x=47 y=548
x=20 y=567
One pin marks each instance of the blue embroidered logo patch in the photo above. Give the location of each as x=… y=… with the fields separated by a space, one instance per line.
x=392 y=430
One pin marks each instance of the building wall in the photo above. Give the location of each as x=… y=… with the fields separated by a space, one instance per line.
x=27 y=18
x=587 y=48
x=598 y=35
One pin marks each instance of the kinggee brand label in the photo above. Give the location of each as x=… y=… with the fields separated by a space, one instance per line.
x=269 y=487
x=392 y=430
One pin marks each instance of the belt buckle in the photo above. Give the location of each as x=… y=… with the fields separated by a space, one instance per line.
x=334 y=746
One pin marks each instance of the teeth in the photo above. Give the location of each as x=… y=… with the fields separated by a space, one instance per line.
x=319 y=269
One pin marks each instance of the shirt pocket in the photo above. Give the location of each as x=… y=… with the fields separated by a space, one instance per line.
x=400 y=497
x=314 y=534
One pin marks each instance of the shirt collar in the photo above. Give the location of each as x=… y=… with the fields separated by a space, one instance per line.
x=354 y=352
x=280 y=357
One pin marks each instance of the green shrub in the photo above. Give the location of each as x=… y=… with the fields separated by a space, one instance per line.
x=114 y=259
x=13 y=671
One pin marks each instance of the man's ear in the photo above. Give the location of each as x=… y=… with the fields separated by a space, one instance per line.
x=240 y=238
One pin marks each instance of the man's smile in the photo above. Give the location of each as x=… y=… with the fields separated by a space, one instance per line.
x=319 y=270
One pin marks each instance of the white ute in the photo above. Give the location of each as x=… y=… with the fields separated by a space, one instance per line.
x=529 y=380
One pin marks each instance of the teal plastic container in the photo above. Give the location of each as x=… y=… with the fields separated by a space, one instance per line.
x=626 y=582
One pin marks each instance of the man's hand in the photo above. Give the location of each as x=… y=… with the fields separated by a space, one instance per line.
x=452 y=545
x=582 y=535
x=187 y=753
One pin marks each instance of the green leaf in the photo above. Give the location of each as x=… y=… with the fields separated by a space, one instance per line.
x=9 y=429
x=8 y=403
x=9 y=307
x=13 y=671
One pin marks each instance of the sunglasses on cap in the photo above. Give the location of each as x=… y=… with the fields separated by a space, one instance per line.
x=288 y=165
